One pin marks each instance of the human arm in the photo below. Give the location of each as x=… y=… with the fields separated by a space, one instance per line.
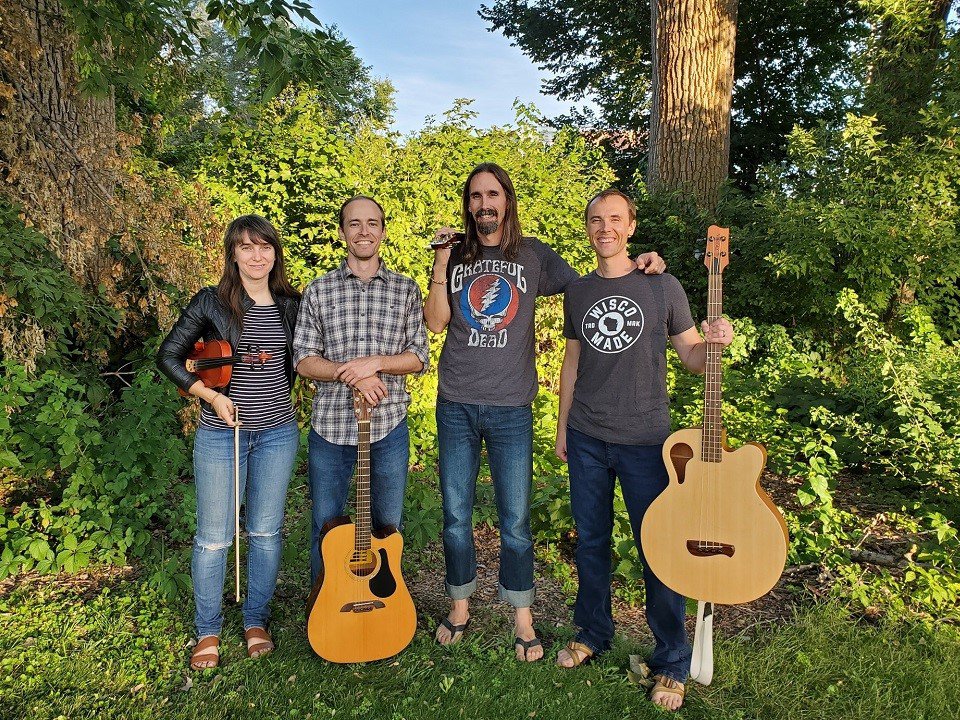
x=436 y=310
x=364 y=367
x=692 y=348
x=568 y=378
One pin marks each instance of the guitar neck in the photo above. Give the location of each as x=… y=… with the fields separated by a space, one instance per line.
x=362 y=519
x=712 y=394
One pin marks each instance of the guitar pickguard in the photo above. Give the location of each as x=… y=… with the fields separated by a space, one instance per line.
x=383 y=584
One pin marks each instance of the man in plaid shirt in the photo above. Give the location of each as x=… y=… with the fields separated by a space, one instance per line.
x=360 y=326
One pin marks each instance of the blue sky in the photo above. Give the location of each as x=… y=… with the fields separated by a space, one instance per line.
x=434 y=52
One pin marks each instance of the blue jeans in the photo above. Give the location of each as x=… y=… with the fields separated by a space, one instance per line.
x=266 y=464
x=508 y=434
x=594 y=466
x=331 y=469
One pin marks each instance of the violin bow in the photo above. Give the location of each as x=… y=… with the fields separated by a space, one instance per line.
x=236 y=497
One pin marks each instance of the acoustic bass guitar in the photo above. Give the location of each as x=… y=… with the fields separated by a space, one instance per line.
x=360 y=609
x=714 y=534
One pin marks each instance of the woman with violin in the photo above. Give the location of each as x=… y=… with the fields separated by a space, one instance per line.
x=252 y=312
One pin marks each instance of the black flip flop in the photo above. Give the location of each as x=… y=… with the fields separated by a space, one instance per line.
x=526 y=645
x=454 y=629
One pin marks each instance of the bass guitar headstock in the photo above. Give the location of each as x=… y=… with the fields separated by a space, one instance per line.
x=717 y=254
x=360 y=407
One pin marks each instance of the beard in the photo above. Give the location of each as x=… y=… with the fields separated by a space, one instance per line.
x=487 y=222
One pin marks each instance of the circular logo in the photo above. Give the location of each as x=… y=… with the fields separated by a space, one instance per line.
x=612 y=324
x=489 y=302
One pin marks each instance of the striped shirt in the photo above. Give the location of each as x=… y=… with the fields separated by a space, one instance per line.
x=342 y=318
x=260 y=392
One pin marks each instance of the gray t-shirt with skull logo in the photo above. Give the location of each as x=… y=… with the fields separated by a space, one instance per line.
x=488 y=354
x=623 y=325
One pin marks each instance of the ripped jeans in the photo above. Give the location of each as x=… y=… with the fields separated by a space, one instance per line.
x=266 y=463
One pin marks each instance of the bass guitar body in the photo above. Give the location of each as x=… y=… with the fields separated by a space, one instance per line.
x=361 y=609
x=714 y=534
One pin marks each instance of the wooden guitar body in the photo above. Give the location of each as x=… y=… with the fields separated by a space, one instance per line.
x=714 y=534
x=361 y=609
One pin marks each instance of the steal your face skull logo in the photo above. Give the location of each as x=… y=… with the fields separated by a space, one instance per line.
x=489 y=302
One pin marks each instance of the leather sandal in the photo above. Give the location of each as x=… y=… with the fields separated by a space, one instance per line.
x=205 y=651
x=526 y=645
x=259 y=649
x=664 y=684
x=578 y=652
x=456 y=631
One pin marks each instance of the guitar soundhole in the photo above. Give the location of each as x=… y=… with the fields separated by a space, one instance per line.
x=363 y=563
x=680 y=455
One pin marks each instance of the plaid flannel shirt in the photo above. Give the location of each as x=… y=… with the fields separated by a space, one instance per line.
x=342 y=318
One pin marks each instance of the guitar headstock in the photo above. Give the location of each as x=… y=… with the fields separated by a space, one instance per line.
x=360 y=407
x=718 y=249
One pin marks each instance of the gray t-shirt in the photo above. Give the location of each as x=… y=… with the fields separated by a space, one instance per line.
x=487 y=357
x=623 y=324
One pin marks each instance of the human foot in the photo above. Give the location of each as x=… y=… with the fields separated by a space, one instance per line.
x=206 y=653
x=667 y=692
x=453 y=626
x=526 y=644
x=574 y=653
x=259 y=642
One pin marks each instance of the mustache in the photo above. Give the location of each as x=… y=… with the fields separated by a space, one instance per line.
x=489 y=212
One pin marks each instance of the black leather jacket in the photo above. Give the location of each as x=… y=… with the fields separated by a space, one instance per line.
x=206 y=318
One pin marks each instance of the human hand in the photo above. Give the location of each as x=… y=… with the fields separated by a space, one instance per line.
x=651 y=263
x=358 y=369
x=373 y=390
x=561 y=446
x=720 y=331
x=225 y=409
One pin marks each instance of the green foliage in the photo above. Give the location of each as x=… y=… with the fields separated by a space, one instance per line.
x=41 y=307
x=93 y=476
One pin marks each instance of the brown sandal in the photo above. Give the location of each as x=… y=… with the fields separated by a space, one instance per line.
x=664 y=684
x=206 y=650
x=259 y=649
x=578 y=652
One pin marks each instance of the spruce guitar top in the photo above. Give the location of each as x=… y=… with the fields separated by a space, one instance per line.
x=714 y=534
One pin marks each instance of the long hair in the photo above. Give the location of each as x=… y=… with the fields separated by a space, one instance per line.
x=510 y=241
x=230 y=289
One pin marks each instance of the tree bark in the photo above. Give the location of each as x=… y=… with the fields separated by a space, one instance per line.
x=693 y=46
x=57 y=145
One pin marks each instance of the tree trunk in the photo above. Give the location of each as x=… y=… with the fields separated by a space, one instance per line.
x=906 y=51
x=57 y=146
x=693 y=44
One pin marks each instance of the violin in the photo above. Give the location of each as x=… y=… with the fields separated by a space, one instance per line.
x=213 y=362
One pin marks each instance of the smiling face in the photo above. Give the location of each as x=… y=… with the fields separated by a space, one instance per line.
x=362 y=229
x=488 y=203
x=254 y=256
x=609 y=226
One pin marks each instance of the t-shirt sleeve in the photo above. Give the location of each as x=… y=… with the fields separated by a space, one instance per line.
x=555 y=272
x=679 y=317
x=568 y=331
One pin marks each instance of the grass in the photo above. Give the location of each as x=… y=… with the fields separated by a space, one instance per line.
x=119 y=651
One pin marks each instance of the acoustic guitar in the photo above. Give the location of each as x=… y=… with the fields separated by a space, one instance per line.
x=360 y=609
x=714 y=534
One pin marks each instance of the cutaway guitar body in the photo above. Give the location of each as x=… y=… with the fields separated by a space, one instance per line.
x=362 y=610
x=714 y=534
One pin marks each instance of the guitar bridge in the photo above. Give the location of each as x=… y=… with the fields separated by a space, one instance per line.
x=703 y=548
x=364 y=606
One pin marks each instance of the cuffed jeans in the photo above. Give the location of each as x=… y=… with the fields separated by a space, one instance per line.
x=508 y=434
x=594 y=465
x=266 y=463
x=331 y=469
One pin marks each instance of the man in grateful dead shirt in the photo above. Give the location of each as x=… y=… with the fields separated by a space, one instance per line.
x=483 y=291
